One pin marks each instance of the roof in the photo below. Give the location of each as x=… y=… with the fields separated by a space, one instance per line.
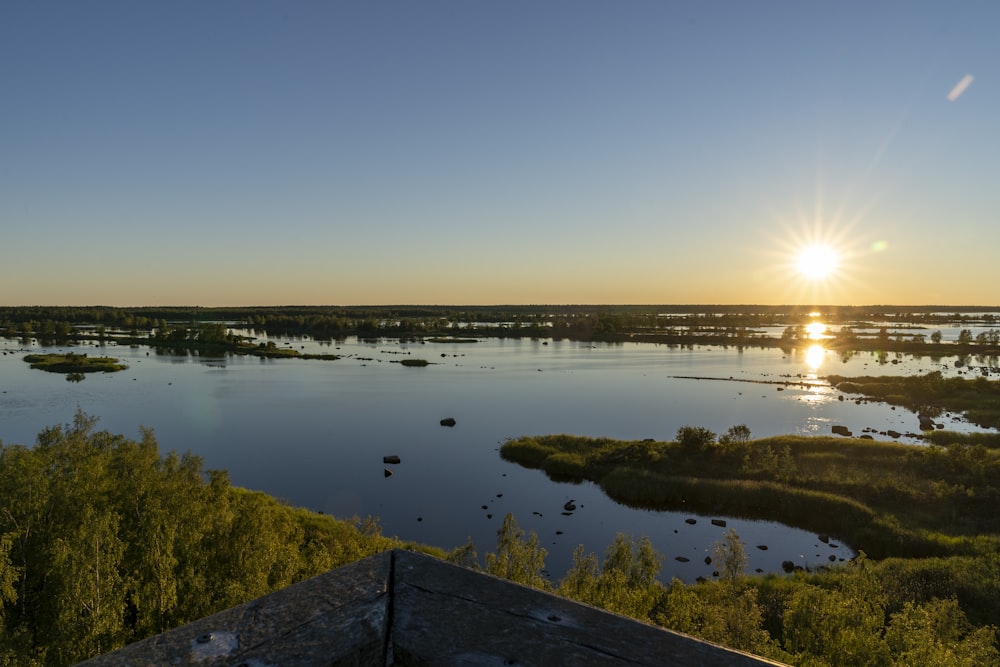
x=404 y=608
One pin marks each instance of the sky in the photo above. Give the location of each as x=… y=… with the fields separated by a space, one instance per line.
x=504 y=152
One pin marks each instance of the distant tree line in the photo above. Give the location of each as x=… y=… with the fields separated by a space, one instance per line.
x=671 y=325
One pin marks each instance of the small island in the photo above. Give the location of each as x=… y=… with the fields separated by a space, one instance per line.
x=72 y=363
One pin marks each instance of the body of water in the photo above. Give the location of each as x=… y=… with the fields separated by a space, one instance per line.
x=314 y=432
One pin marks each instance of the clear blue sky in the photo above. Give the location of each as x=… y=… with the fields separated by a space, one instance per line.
x=235 y=153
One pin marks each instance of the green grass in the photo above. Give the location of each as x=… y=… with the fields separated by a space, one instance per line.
x=888 y=499
x=930 y=394
x=74 y=363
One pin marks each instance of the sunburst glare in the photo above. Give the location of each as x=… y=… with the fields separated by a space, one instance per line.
x=817 y=262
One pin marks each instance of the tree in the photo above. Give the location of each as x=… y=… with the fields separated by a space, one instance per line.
x=731 y=557
x=736 y=435
x=518 y=558
x=964 y=337
x=695 y=438
x=936 y=337
x=842 y=626
x=938 y=633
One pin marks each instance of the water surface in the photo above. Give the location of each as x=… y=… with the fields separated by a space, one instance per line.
x=314 y=432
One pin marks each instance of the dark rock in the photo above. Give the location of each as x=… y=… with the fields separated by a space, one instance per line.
x=569 y=506
x=762 y=547
x=708 y=560
x=448 y=421
x=926 y=423
x=387 y=472
x=691 y=521
x=841 y=430
x=390 y=459
x=719 y=522
x=893 y=434
x=824 y=538
x=866 y=437
x=833 y=559
x=787 y=565
x=682 y=559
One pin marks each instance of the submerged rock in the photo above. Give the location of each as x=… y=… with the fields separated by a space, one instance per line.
x=390 y=459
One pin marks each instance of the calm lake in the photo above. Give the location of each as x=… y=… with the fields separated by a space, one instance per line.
x=314 y=432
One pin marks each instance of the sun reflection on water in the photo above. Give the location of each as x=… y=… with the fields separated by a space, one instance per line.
x=815 y=330
x=814 y=357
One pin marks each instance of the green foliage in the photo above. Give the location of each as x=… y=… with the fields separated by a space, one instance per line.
x=938 y=633
x=518 y=558
x=626 y=581
x=735 y=436
x=932 y=394
x=731 y=556
x=74 y=363
x=695 y=438
x=103 y=541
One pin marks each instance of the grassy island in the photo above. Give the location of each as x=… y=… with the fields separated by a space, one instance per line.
x=74 y=363
x=931 y=394
x=923 y=516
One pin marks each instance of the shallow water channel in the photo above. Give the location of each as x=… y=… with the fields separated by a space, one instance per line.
x=314 y=432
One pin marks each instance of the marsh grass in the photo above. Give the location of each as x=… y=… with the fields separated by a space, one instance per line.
x=930 y=394
x=887 y=499
x=74 y=363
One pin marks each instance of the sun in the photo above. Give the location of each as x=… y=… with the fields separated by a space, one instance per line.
x=817 y=262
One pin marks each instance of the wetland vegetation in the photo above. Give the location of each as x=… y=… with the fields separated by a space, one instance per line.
x=72 y=363
x=923 y=518
x=104 y=541
x=885 y=329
